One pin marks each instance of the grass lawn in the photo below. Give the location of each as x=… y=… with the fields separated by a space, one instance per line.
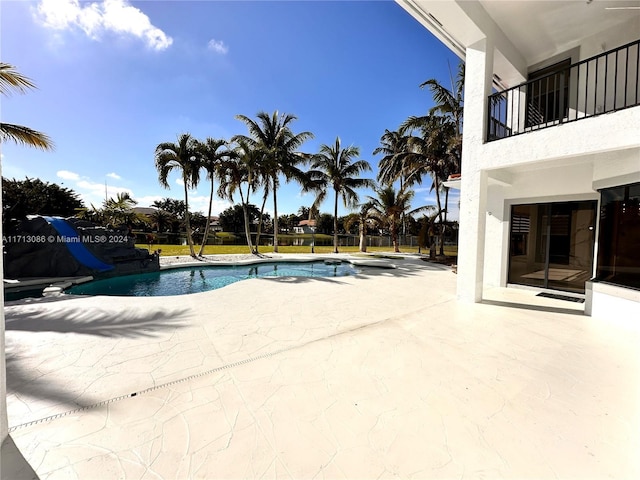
x=176 y=250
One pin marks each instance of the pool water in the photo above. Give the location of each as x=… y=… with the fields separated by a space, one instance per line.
x=202 y=279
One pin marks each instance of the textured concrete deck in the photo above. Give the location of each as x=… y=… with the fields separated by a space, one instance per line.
x=378 y=376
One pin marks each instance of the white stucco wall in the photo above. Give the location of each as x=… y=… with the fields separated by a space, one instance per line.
x=604 y=133
x=617 y=168
x=612 y=302
x=3 y=369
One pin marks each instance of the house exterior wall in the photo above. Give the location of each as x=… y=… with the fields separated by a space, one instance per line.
x=565 y=162
x=553 y=184
x=305 y=229
x=4 y=421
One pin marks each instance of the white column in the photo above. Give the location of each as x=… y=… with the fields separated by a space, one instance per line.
x=3 y=369
x=473 y=188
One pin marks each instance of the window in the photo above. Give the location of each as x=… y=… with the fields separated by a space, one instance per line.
x=619 y=236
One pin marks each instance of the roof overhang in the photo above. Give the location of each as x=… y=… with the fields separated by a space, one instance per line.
x=524 y=32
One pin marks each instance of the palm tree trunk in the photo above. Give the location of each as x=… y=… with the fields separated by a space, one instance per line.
x=275 y=218
x=335 y=225
x=394 y=236
x=363 y=237
x=446 y=203
x=207 y=225
x=446 y=208
x=264 y=202
x=441 y=231
x=245 y=214
x=187 y=221
x=247 y=227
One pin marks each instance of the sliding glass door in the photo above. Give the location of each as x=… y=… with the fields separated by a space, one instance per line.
x=552 y=244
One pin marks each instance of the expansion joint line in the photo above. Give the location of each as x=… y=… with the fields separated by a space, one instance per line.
x=157 y=387
x=197 y=375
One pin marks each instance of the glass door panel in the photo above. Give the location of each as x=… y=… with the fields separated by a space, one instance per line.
x=552 y=245
x=528 y=248
x=572 y=243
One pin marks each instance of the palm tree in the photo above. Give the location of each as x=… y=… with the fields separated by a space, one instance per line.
x=389 y=208
x=365 y=217
x=92 y=214
x=391 y=167
x=450 y=104
x=334 y=166
x=430 y=153
x=183 y=156
x=211 y=160
x=272 y=135
x=161 y=219
x=119 y=211
x=240 y=172
x=426 y=233
x=12 y=80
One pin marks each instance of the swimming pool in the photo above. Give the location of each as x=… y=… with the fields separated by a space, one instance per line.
x=186 y=280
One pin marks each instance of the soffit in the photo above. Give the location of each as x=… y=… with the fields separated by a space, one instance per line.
x=536 y=29
x=541 y=29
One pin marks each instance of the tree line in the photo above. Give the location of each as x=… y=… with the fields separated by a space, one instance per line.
x=422 y=146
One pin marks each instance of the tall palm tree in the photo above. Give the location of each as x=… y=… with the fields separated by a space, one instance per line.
x=450 y=104
x=393 y=165
x=272 y=135
x=429 y=153
x=12 y=80
x=336 y=167
x=240 y=172
x=212 y=154
x=185 y=157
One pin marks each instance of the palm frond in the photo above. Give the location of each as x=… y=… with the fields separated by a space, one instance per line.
x=11 y=79
x=25 y=136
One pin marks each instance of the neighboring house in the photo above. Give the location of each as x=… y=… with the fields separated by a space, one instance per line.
x=148 y=211
x=305 y=226
x=214 y=224
x=550 y=185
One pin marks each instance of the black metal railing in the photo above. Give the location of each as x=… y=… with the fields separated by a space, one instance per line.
x=601 y=84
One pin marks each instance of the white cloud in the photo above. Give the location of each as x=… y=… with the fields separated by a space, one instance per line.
x=92 y=192
x=148 y=200
x=180 y=182
x=67 y=175
x=200 y=203
x=217 y=46
x=89 y=191
x=114 y=176
x=116 y=16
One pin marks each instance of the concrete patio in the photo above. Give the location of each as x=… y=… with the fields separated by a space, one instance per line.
x=382 y=375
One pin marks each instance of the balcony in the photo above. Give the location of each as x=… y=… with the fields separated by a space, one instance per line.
x=605 y=83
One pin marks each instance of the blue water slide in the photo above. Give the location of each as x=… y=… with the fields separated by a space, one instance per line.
x=76 y=247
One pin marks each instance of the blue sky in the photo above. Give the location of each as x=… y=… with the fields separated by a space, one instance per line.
x=117 y=78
